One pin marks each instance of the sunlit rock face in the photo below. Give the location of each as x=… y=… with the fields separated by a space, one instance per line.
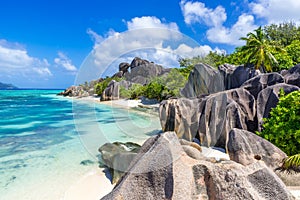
x=163 y=170
x=203 y=79
x=209 y=118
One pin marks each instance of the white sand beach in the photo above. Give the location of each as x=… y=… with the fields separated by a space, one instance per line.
x=295 y=191
x=93 y=186
x=96 y=184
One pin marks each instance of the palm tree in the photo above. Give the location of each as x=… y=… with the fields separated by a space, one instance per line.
x=291 y=164
x=258 y=50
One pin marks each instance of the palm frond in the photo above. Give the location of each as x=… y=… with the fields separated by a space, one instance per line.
x=291 y=164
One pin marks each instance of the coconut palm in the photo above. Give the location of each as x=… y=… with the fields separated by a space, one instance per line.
x=258 y=50
x=291 y=164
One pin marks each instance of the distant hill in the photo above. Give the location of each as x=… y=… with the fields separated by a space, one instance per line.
x=5 y=86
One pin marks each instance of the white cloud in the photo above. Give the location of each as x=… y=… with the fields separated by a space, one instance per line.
x=149 y=22
x=14 y=60
x=275 y=11
x=95 y=37
x=65 y=62
x=197 y=12
x=194 y=12
x=222 y=34
x=148 y=38
x=190 y=52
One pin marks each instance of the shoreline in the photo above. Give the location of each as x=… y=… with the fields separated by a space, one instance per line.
x=97 y=183
x=122 y=103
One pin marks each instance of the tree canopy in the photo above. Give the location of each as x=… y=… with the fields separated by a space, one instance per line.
x=274 y=47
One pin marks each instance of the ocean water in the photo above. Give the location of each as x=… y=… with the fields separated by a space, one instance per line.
x=44 y=138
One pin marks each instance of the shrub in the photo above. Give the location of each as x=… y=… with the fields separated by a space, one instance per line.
x=173 y=82
x=154 y=90
x=283 y=126
x=136 y=91
x=124 y=93
x=100 y=87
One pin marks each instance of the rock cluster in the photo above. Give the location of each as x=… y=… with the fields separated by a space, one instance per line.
x=211 y=117
x=163 y=170
x=221 y=115
x=74 y=91
x=138 y=72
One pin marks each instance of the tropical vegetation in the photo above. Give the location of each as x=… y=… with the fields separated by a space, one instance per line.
x=159 y=88
x=101 y=86
x=269 y=48
x=282 y=128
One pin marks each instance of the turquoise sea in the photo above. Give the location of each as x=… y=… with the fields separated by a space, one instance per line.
x=44 y=140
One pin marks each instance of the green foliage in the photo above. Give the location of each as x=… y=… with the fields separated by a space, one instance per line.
x=283 y=59
x=291 y=164
x=124 y=93
x=272 y=48
x=136 y=91
x=159 y=88
x=258 y=50
x=100 y=87
x=154 y=90
x=187 y=65
x=236 y=58
x=283 y=34
x=293 y=51
x=283 y=126
x=173 y=82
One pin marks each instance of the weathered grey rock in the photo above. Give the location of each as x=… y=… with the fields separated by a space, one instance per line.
x=75 y=91
x=210 y=118
x=111 y=92
x=235 y=76
x=125 y=84
x=142 y=71
x=180 y=115
x=224 y=111
x=140 y=80
x=246 y=148
x=203 y=79
x=117 y=157
x=137 y=62
x=292 y=76
x=268 y=99
x=118 y=74
x=123 y=67
x=261 y=81
x=162 y=170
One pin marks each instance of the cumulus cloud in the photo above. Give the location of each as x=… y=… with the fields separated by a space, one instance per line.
x=197 y=12
x=275 y=11
x=231 y=35
x=194 y=12
x=147 y=37
x=65 y=62
x=149 y=22
x=14 y=59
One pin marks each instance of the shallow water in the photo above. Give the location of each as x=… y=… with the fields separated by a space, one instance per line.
x=44 y=138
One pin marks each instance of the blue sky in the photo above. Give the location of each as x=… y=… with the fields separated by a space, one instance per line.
x=43 y=43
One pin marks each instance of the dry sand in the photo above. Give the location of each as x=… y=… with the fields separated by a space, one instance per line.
x=93 y=186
